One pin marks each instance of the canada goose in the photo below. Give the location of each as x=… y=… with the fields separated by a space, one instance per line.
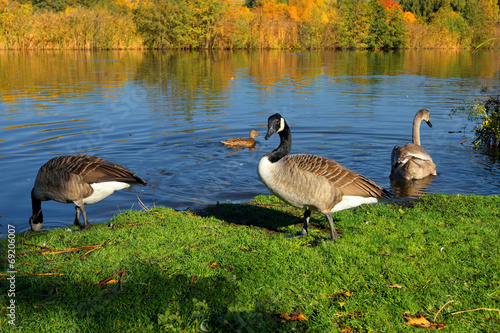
x=313 y=182
x=412 y=161
x=81 y=179
x=242 y=142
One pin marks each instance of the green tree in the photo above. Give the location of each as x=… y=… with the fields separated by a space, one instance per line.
x=379 y=26
x=354 y=23
x=396 y=29
x=61 y=5
x=181 y=23
x=162 y=23
x=205 y=19
x=387 y=27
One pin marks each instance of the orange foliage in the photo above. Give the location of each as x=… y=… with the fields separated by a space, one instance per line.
x=293 y=316
x=296 y=10
x=272 y=9
x=390 y=4
x=301 y=9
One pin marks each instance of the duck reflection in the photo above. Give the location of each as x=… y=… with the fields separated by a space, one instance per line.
x=410 y=188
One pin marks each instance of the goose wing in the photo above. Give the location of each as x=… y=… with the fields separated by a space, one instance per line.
x=91 y=169
x=401 y=155
x=349 y=182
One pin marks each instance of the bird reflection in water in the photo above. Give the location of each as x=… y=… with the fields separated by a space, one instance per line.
x=410 y=188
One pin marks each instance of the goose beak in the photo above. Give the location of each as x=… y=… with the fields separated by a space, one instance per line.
x=429 y=123
x=270 y=132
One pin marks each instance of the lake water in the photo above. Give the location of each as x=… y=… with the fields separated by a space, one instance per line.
x=163 y=115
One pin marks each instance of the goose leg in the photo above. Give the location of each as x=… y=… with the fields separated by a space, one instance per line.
x=307 y=216
x=333 y=232
x=77 y=216
x=84 y=214
x=80 y=207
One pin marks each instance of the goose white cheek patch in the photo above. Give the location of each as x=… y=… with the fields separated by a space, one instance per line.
x=282 y=125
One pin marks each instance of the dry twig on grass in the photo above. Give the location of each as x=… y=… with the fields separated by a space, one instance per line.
x=105 y=281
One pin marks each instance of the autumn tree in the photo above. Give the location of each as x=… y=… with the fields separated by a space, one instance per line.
x=481 y=16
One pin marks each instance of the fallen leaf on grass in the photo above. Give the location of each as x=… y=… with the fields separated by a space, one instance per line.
x=420 y=321
x=293 y=316
x=395 y=285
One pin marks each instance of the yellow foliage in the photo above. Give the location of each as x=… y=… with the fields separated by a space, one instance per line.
x=409 y=17
x=127 y=4
x=324 y=18
x=70 y=10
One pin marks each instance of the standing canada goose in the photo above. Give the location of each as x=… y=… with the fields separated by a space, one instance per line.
x=81 y=179
x=412 y=161
x=242 y=142
x=313 y=182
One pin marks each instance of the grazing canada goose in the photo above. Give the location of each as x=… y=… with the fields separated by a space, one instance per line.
x=412 y=161
x=313 y=182
x=81 y=179
x=242 y=142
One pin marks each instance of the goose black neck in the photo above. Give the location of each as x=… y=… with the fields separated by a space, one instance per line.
x=36 y=205
x=284 y=147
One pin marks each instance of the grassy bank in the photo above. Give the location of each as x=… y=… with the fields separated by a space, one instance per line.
x=232 y=268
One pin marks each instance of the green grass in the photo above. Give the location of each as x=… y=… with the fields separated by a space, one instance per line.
x=231 y=268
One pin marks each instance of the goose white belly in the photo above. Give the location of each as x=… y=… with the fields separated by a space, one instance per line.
x=351 y=201
x=103 y=190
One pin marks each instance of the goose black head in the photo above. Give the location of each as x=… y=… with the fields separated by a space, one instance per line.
x=36 y=221
x=275 y=124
